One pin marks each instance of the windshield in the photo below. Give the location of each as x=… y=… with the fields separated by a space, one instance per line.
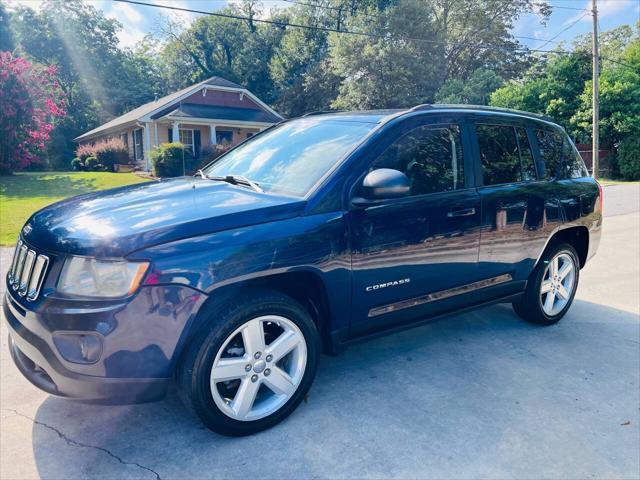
x=292 y=157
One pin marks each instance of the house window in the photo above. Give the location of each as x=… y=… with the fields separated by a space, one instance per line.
x=224 y=136
x=125 y=139
x=138 y=148
x=186 y=138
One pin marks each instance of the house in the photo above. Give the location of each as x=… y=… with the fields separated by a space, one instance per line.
x=214 y=111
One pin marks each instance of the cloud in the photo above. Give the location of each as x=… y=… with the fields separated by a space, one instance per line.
x=125 y=13
x=34 y=4
x=606 y=8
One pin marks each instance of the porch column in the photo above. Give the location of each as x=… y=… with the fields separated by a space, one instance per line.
x=175 y=132
x=213 y=134
x=155 y=135
x=146 y=146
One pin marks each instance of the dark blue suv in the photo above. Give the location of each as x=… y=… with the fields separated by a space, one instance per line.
x=316 y=233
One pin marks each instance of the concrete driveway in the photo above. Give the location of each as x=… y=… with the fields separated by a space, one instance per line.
x=479 y=395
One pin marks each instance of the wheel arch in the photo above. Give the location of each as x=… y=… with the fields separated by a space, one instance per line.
x=304 y=286
x=577 y=236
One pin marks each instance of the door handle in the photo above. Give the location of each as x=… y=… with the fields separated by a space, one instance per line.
x=467 y=212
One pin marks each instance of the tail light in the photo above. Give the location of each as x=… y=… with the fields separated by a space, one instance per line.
x=600 y=203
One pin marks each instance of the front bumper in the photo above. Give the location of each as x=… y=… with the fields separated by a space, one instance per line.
x=140 y=342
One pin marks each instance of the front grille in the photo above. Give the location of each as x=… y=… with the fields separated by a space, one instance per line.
x=28 y=269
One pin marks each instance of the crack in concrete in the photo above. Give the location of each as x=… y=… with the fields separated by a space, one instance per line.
x=75 y=443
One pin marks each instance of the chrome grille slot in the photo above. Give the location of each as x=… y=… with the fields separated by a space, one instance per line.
x=28 y=270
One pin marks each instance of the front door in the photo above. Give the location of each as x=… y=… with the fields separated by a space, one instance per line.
x=410 y=254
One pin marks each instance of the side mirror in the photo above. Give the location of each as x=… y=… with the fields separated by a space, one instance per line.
x=382 y=184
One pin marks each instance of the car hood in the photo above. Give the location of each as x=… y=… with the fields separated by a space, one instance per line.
x=114 y=223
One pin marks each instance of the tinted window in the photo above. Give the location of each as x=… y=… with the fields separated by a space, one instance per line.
x=498 y=154
x=526 y=157
x=430 y=156
x=550 y=145
x=292 y=157
x=572 y=164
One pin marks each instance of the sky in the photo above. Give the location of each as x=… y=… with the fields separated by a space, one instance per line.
x=567 y=21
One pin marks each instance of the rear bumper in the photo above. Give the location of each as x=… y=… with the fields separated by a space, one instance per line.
x=40 y=365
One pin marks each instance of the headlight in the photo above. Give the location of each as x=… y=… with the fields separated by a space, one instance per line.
x=100 y=278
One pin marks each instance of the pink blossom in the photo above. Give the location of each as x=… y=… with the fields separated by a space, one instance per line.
x=31 y=101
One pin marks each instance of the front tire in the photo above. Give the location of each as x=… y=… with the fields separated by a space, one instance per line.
x=551 y=286
x=251 y=365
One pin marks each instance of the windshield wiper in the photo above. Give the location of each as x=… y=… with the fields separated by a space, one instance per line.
x=233 y=180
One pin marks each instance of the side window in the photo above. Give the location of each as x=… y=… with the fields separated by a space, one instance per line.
x=498 y=154
x=572 y=164
x=550 y=145
x=431 y=156
x=526 y=157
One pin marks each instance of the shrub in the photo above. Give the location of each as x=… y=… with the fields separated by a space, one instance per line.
x=629 y=157
x=84 y=151
x=167 y=160
x=108 y=152
x=210 y=153
x=77 y=164
x=90 y=164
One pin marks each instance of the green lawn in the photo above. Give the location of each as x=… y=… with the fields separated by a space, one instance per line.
x=608 y=181
x=24 y=193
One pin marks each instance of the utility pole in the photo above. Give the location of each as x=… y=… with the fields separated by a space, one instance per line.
x=596 y=100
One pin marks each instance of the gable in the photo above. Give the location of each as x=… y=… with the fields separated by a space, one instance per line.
x=221 y=99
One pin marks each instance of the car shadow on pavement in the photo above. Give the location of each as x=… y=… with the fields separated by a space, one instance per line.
x=482 y=394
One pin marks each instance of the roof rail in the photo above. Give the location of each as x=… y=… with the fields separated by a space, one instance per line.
x=429 y=106
x=422 y=106
x=321 y=112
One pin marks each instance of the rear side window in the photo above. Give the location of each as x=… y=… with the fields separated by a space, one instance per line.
x=431 y=156
x=499 y=154
x=572 y=164
x=550 y=146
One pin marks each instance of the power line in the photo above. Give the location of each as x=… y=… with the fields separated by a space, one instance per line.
x=520 y=50
x=338 y=9
x=563 y=30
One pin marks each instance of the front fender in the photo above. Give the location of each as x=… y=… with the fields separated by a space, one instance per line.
x=317 y=243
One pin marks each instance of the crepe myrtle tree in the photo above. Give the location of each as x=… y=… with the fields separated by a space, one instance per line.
x=31 y=101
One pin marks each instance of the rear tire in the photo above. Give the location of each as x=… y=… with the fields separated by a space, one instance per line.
x=251 y=365
x=551 y=286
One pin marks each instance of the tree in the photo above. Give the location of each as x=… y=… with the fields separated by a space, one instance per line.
x=451 y=39
x=215 y=46
x=476 y=90
x=6 y=36
x=98 y=79
x=30 y=102
x=302 y=79
x=552 y=87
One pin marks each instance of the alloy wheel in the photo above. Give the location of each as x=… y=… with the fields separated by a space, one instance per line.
x=258 y=368
x=558 y=283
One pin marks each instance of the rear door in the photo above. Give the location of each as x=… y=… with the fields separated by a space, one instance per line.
x=409 y=253
x=517 y=211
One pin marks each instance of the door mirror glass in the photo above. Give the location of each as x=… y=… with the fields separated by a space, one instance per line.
x=385 y=183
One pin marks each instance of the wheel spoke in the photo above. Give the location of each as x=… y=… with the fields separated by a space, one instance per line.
x=567 y=267
x=562 y=292
x=287 y=341
x=246 y=395
x=549 y=301
x=279 y=382
x=554 y=267
x=253 y=337
x=229 y=369
x=546 y=287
